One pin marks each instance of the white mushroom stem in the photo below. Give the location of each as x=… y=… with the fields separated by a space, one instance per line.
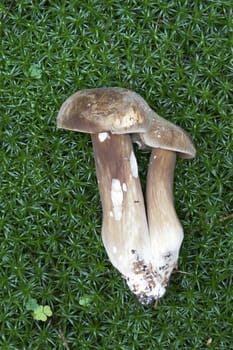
x=166 y=233
x=124 y=229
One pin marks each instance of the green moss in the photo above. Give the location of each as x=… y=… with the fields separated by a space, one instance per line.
x=177 y=55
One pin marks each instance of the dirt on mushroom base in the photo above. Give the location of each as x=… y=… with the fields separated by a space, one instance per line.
x=145 y=282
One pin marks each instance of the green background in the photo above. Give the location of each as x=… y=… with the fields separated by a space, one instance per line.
x=178 y=56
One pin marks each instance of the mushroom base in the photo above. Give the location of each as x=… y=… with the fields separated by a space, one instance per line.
x=146 y=283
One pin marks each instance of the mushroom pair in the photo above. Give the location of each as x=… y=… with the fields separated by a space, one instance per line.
x=143 y=247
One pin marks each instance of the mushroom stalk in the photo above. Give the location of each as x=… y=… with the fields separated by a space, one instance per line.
x=124 y=229
x=166 y=233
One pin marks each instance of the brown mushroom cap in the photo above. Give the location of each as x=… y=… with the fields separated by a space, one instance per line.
x=99 y=110
x=168 y=136
x=122 y=111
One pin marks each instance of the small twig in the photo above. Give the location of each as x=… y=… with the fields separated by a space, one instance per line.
x=63 y=339
x=183 y=272
x=228 y=217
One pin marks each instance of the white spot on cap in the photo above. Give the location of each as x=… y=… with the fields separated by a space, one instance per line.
x=114 y=249
x=103 y=136
x=157 y=133
x=117 y=199
x=133 y=164
x=111 y=214
x=124 y=187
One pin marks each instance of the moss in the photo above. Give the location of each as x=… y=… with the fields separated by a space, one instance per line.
x=177 y=55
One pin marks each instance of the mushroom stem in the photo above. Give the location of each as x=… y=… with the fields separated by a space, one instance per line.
x=124 y=230
x=166 y=233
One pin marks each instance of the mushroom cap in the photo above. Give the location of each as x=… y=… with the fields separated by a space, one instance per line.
x=117 y=110
x=168 y=136
x=122 y=111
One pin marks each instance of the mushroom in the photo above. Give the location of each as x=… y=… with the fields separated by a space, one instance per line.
x=166 y=233
x=145 y=257
x=165 y=140
x=103 y=112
